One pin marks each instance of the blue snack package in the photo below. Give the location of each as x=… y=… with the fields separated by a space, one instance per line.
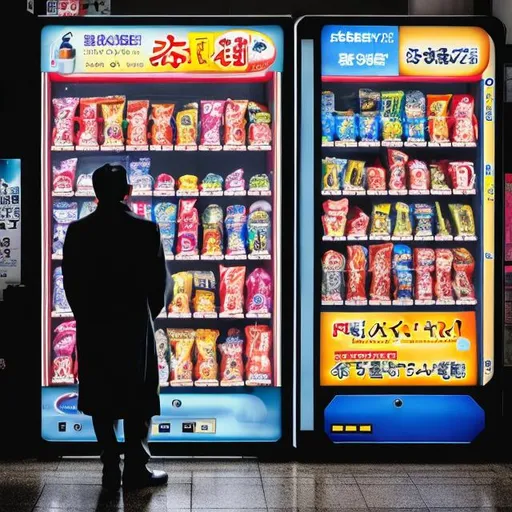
x=345 y=125
x=328 y=126
x=212 y=182
x=59 y=299
x=415 y=116
x=342 y=169
x=165 y=217
x=415 y=129
x=259 y=228
x=369 y=127
x=87 y=208
x=402 y=272
x=139 y=176
x=327 y=101
x=423 y=220
x=59 y=236
x=236 y=230
x=65 y=212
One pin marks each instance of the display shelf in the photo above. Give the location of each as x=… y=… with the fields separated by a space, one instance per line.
x=212 y=383
x=62 y=314
x=400 y=303
x=155 y=148
x=215 y=316
x=396 y=144
x=412 y=193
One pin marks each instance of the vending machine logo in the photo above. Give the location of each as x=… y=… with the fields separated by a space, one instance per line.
x=67 y=404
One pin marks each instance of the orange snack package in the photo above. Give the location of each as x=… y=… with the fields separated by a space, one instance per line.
x=182 y=343
x=206 y=367
x=437 y=111
x=161 y=130
x=112 y=111
x=232 y=280
x=258 y=368
x=137 y=116
x=232 y=363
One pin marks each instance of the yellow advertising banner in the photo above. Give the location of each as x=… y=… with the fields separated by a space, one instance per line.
x=398 y=349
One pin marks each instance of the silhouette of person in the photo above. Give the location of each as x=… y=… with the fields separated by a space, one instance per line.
x=115 y=279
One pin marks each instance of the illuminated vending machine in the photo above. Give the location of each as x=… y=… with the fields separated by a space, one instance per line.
x=194 y=114
x=398 y=165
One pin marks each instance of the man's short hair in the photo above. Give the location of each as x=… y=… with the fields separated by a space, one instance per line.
x=110 y=183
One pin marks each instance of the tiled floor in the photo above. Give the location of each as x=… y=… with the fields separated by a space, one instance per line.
x=245 y=484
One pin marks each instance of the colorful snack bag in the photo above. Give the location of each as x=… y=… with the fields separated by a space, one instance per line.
x=415 y=116
x=369 y=101
x=462 y=175
x=142 y=209
x=236 y=229
x=258 y=367
x=212 y=112
x=140 y=177
x=232 y=290
x=259 y=228
x=328 y=102
x=443 y=285
x=345 y=126
x=64 y=212
x=423 y=220
x=112 y=112
x=60 y=302
x=419 y=175
x=212 y=183
x=162 y=353
x=213 y=231
x=462 y=114
x=64 y=110
x=330 y=174
x=335 y=217
x=402 y=272
x=59 y=237
x=463 y=218
x=437 y=109
x=165 y=217
x=182 y=342
x=328 y=127
x=64 y=354
x=88 y=132
x=376 y=177
x=380 y=269
x=369 y=127
x=232 y=363
x=381 y=221
x=403 y=225
x=464 y=267
x=181 y=293
x=87 y=208
x=259 y=182
x=206 y=349
x=188 y=183
x=188 y=224
x=333 y=280
x=397 y=162
x=234 y=123
x=439 y=175
x=204 y=297
x=186 y=125
x=260 y=133
x=424 y=265
x=137 y=117
x=235 y=181
x=84 y=185
x=357 y=222
x=356 y=273
x=443 y=227
x=391 y=114
x=165 y=183
x=64 y=176
x=161 y=130
x=259 y=292
x=354 y=175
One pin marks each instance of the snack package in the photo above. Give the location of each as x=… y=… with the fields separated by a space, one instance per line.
x=87 y=208
x=354 y=175
x=260 y=183
x=403 y=225
x=234 y=123
x=380 y=271
x=60 y=302
x=236 y=230
x=142 y=209
x=206 y=368
x=381 y=220
x=88 y=132
x=463 y=219
x=259 y=234
x=204 y=297
x=464 y=267
x=65 y=212
x=212 y=112
x=327 y=104
x=357 y=222
x=84 y=185
x=423 y=220
x=369 y=127
x=64 y=176
x=181 y=342
x=462 y=175
x=260 y=133
x=376 y=177
x=235 y=181
x=402 y=272
x=112 y=112
x=328 y=127
x=162 y=353
x=64 y=110
x=258 y=367
x=259 y=292
x=356 y=273
x=59 y=237
x=333 y=279
x=419 y=175
x=137 y=117
x=165 y=183
x=443 y=284
x=345 y=126
x=232 y=363
x=188 y=226
x=462 y=114
x=186 y=125
x=212 y=183
x=188 y=183
x=64 y=354
x=391 y=114
x=165 y=217
x=437 y=111
x=181 y=293
x=213 y=231
x=415 y=116
x=397 y=162
x=439 y=175
x=424 y=265
x=335 y=217
x=330 y=174
x=443 y=227
x=232 y=290
x=140 y=177
x=369 y=101
x=161 y=129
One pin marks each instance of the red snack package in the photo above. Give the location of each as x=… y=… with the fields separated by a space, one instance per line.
x=161 y=130
x=335 y=217
x=443 y=285
x=356 y=273
x=357 y=222
x=88 y=133
x=112 y=109
x=424 y=265
x=232 y=290
x=258 y=368
x=397 y=162
x=64 y=176
x=380 y=268
x=211 y=120
x=188 y=225
x=164 y=182
x=464 y=267
x=232 y=364
x=462 y=113
x=206 y=367
x=234 y=124
x=64 y=110
x=462 y=175
x=260 y=133
x=137 y=116
x=376 y=177
x=259 y=292
x=419 y=175
x=64 y=352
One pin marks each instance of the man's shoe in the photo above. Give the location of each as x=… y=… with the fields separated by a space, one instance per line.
x=144 y=478
x=111 y=480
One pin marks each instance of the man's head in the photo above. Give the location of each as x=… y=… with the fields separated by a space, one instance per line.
x=110 y=183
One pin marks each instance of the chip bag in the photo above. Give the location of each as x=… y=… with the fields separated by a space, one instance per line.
x=64 y=354
x=345 y=126
x=165 y=217
x=188 y=226
x=464 y=267
x=258 y=367
x=380 y=271
x=181 y=293
x=439 y=177
x=137 y=117
x=443 y=284
x=232 y=364
x=259 y=292
x=437 y=111
x=354 y=178
x=424 y=265
x=259 y=182
x=112 y=111
x=356 y=273
x=64 y=176
x=212 y=112
x=232 y=290
x=213 y=231
x=333 y=279
x=204 y=297
x=88 y=132
x=402 y=272
x=236 y=230
x=186 y=125
x=403 y=225
x=423 y=220
x=165 y=183
x=234 y=123
x=419 y=175
x=357 y=222
x=260 y=133
x=259 y=228
x=64 y=110
x=463 y=219
x=139 y=176
x=206 y=367
x=330 y=174
x=59 y=300
x=381 y=220
x=462 y=114
x=188 y=183
x=335 y=217
x=182 y=342
x=415 y=116
x=397 y=162
x=162 y=353
x=376 y=177
x=235 y=181
x=212 y=183
x=161 y=129
x=462 y=175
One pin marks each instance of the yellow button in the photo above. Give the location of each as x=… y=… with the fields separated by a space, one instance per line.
x=351 y=428
x=365 y=428
x=337 y=428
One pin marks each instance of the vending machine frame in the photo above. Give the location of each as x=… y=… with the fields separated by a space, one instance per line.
x=311 y=399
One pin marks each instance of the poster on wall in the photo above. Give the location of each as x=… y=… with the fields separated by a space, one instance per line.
x=10 y=223
x=77 y=7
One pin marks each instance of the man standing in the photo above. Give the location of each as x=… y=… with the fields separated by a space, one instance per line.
x=115 y=279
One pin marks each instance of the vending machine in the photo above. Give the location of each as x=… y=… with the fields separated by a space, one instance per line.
x=194 y=113
x=399 y=232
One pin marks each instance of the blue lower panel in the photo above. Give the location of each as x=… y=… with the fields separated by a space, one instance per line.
x=403 y=419
x=197 y=417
